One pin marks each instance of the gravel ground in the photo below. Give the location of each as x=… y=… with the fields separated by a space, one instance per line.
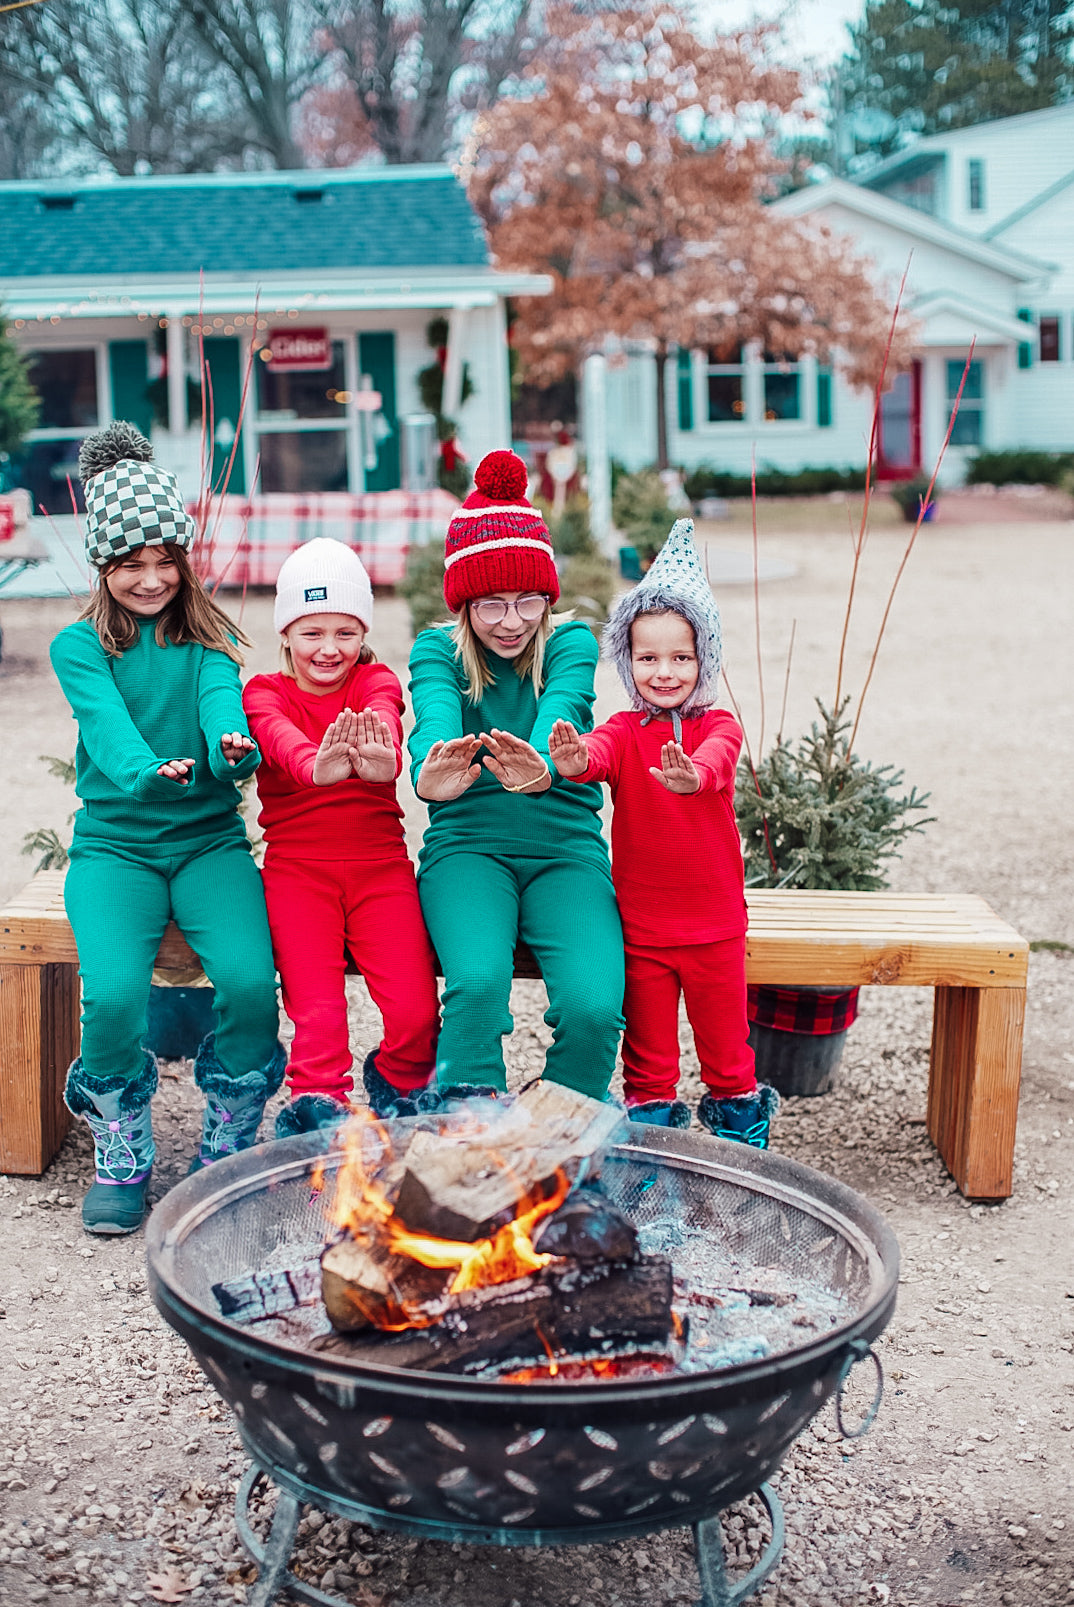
x=117 y=1462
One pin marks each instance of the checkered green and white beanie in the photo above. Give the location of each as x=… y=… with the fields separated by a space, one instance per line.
x=131 y=501
x=677 y=584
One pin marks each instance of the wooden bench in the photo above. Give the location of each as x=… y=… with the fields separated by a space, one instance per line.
x=956 y=945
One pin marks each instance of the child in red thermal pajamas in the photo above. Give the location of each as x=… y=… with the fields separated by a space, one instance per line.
x=336 y=873
x=676 y=855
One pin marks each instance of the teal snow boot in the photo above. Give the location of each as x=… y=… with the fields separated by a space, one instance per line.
x=117 y=1112
x=234 y=1106
x=660 y=1113
x=388 y=1102
x=311 y=1113
x=745 y=1119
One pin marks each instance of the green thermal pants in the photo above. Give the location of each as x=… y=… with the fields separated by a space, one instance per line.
x=476 y=906
x=119 y=904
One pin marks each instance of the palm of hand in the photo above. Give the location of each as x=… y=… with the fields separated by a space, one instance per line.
x=333 y=763
x=373 y=762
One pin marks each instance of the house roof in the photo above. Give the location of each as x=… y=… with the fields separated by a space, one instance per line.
x=364 y=219
x=935 y=147
x=909 y=220
x=984 y=323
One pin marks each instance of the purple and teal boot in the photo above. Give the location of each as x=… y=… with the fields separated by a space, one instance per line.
x=234 y=1106
x=117 y=1112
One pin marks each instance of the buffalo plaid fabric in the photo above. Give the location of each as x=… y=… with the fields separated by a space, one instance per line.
x=813 y=1010
x=132 y=505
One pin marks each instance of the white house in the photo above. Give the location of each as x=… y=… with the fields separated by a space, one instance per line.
x=985 y=218
x=114 y=287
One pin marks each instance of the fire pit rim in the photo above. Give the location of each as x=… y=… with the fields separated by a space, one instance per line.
x=186 y=1205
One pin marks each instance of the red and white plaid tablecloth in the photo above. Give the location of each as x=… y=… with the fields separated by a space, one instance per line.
x=248 y=538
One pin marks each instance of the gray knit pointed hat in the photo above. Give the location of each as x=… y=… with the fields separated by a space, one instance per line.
x=675 y=584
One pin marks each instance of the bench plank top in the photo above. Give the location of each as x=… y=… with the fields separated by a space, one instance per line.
x=822 y=939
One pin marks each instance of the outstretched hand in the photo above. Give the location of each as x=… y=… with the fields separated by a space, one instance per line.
x=333 y=762
x=517 y=766
x=568 y=750
x=373 y=749
x=177 y=770
x=234 y=745
x=449 y=770
x=676 y=772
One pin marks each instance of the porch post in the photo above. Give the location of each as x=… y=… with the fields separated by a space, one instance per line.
x=452 y=394
x=176 y=354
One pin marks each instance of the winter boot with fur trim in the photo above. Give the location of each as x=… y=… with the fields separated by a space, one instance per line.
x=311 y=1113
x=234 y=1106
x=660 y=1113
x=745 y=1119
x=117 y=1113
x=386 y=1101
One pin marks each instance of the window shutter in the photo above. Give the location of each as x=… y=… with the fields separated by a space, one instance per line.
x=376 y=357
x=128 y=369
x=223 y=359
x=684 y=373
x=824 y=398
x=1025 y=350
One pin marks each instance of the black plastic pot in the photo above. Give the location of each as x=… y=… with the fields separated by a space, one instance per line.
x=177 y=1020
x=800 y=1064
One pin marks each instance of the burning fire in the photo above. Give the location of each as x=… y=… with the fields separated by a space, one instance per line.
x=359 y=1206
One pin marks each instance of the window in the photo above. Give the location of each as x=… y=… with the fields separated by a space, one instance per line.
x=1049 y=340
x=66 y=379
x=313 y=460
x=303 y=426
x=975 y=176
x=303 y=393
x=66 y=382
x=782 y=388
x=968 y=428
x=726 y=385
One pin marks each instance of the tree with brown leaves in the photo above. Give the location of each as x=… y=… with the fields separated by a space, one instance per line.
x=635 y=171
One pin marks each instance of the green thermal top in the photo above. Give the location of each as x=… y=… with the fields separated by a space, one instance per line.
x=151 y=704
x=561 y=823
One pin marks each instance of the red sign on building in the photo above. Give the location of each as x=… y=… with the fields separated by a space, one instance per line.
x=299 y=349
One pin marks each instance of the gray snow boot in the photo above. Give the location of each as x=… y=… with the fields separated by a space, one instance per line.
x=117 y=1112
x=234 y=1106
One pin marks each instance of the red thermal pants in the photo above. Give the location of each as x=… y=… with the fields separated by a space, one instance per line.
x=712 y=977
x=319 y=910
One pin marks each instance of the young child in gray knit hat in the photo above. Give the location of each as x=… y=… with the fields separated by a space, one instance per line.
x=676 y=855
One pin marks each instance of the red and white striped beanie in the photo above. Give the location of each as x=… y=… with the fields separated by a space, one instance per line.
x=497 y=541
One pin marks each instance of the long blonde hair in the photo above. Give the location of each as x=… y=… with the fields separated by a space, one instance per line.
x=471 y=654
x=191 y=616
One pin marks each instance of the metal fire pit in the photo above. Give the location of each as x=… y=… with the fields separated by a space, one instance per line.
x=451 y=1457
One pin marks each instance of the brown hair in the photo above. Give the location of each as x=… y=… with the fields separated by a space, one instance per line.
x=191 y=616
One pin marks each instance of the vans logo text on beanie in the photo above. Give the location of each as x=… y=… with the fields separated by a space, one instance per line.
x=497 y=541
x=322 y=577
x=131 y=501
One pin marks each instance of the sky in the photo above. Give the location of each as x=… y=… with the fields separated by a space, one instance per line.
x=814 y=28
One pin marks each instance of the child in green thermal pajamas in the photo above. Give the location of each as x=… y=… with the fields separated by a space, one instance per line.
x=511 y=851
x=151 y=672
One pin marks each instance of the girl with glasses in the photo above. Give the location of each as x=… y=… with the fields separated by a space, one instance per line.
x=511 y=851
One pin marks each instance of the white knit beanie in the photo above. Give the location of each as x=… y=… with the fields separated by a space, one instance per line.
x=322 y=577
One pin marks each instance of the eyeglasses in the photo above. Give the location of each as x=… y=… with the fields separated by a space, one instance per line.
x=491 y=610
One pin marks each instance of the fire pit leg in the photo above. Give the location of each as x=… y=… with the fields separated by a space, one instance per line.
x=716 y=1589
x=273 y=1558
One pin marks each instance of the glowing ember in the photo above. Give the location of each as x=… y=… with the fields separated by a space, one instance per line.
x=598 y=1367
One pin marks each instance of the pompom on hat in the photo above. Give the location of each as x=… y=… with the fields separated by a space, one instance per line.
x=497 y=541
x=676 y=584
x=322 y=577
x=131 y=501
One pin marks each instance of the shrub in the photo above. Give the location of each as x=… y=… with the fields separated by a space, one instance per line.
x=1020 y=468
x=423 y=586
x=570 y=532
x=825 y=818
x=587 y=585
x=707 y=481
x=641 y=510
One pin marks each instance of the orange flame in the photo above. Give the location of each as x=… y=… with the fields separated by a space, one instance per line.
x=360 y=1206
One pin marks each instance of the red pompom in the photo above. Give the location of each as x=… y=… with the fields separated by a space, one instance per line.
x=502 y=476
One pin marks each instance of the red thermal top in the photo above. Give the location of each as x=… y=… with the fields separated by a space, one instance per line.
x=349 y=820
x=676 y=860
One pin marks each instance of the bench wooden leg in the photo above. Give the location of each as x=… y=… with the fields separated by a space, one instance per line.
x=974 y=1074
x=39 y=1037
